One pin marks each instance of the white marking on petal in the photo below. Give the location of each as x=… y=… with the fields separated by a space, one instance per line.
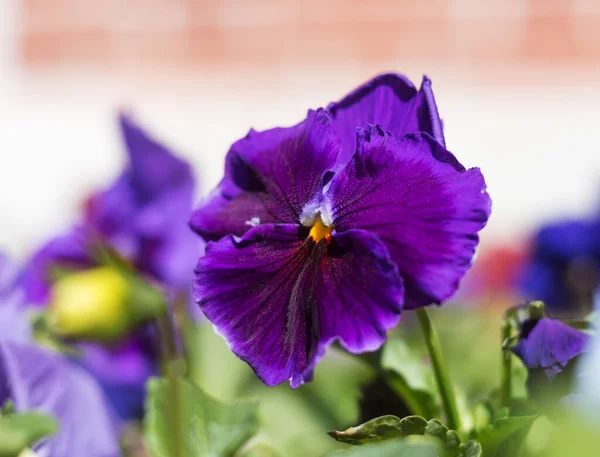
x=327 y=213
x=253 y=222
x=319 y=208
x=310 y=213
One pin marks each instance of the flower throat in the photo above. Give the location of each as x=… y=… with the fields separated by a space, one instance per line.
x=320 y=231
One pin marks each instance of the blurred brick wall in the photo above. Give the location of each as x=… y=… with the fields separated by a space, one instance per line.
x=470 y=33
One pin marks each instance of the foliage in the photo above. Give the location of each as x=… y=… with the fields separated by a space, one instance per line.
x=183 y=421
x=19 y=431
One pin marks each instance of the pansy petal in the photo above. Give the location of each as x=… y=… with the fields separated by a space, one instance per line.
x=357 y=313
x=549 y=344
x=14 y=322
x=154 y=168
x=111 y=214
x=420 y=201
x=391 y=101
x=167 y=248
x=360 y=292
x=66 y=251
x=252 y=290
x=45 y=382
x=122 y=372
x=8 y=274
x=269 y=177
x=229 y=210
x=171 y=259
x=279 y=299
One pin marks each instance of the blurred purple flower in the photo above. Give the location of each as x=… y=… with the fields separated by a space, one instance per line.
x=548 y=345
x=334 y=245
x=563 y=270
x=36 y=379
x=14 y=324
x=122 y=371
x=143 y=217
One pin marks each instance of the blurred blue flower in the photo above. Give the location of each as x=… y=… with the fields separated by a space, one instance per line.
x=34 y=378
x=143 y=218
x=563 y=269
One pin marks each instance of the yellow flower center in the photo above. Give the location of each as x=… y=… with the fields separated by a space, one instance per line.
x=320 y=231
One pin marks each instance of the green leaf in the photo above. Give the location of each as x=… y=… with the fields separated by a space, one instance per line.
x=45 y=335
x=410 y=378
x=390 y=427
x=436 y=428
x=7 y=408
x=482 y=415
x=258 y=450
x=145 y=301
x=504 y=435
x=19 y=431
x=183 y=421
x=569 y=434
x=413 y=425
x=472 y=449
x=378 y=429
x=414 y=446
x=452 y=439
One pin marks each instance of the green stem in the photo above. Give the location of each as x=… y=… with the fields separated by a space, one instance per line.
x=170 y=365
x=440 y=370
x=506 y=389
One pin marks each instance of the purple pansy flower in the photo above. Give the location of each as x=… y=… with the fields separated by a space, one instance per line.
x=39 y=380
x=316 y=244
x=143 y=217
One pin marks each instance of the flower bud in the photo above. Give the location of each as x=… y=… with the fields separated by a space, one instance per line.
x=92 y=305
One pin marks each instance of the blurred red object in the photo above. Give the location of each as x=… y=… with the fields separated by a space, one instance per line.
x=493 y=278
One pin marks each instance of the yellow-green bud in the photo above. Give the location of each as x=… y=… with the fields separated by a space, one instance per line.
x=91 y=304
